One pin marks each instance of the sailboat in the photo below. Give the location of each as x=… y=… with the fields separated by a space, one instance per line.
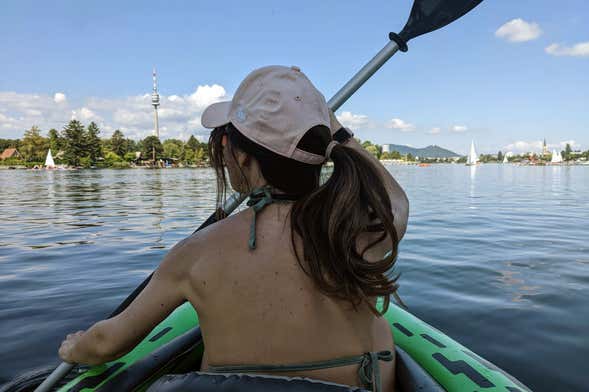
x=505 y=159
x=473 y=158
x=556 y=157
x=49 y=164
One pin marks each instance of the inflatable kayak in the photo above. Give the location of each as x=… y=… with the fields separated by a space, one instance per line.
x=427 y=360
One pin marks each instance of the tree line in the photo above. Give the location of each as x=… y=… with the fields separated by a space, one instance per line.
x=81 y=146
x=78 y=145
x=567 y=155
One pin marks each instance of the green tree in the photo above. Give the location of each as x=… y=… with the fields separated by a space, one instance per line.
x=105 y=145
x=118 y=144
x=500 y=156
x=193 y=143
x=188 y=155
x=34 y=146
x=366 y=143
x=385 y=155
x=92 y=143
x=111 y=158
x=173 y=148
x=9 y=143
x=131 y=145
x=151 y=146
x=204 y=148
x=130 y=156
x=395 y=155
x=410 y=157
x=56 y=142
x=200 y=155
x=567 y=152
x=371 y=148
x=74 y=149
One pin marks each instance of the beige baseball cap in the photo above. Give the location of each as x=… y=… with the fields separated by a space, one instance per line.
x=274 y=107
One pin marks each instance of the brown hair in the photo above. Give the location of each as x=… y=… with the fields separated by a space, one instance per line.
x=329 y=217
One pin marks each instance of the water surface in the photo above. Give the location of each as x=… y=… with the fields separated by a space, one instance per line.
x=495 y=256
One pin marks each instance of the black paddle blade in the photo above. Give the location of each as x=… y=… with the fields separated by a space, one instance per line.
x=430 y=15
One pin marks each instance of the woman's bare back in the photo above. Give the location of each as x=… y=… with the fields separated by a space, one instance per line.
x=259 y=307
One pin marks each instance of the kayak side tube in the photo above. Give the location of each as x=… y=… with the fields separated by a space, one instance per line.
x=177 y=325
x=452 y=365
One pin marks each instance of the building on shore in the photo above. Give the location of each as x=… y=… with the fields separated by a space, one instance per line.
x=10 y=153
x=545 y=151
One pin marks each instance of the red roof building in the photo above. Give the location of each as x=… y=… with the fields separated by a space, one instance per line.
x=10 y=153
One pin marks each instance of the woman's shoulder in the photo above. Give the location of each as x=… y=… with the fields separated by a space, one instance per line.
x=220 y=231
x=202 y=246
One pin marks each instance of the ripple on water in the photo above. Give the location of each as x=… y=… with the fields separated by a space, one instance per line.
x=497 y=257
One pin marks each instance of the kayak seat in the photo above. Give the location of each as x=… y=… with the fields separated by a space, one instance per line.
x=225 y=382
x=409 y=377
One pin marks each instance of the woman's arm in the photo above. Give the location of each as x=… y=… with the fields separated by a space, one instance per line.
x=109 y=339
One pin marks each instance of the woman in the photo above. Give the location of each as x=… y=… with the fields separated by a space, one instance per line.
x=294 y=279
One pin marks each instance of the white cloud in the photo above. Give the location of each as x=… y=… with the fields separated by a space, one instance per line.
x=518 y=30
x=7 y=122
x=536 y=145
x=206 y=95
x=524 y=146
x=59 y=98
x=397 y=123
x=179 y=114
x=578 y=50
x=33 y=112
x=133 y=118
x=175 y=98
x=459 y=128
x=434 y=131
x=574 y=145
x=85 y=115
x=354 y=121
x=21 y=111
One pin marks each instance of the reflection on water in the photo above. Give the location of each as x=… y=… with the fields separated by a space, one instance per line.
x=495 y=255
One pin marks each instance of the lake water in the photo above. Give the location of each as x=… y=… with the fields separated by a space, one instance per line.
x=495 y=256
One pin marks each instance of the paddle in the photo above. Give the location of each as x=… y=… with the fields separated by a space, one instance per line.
x=426 y=16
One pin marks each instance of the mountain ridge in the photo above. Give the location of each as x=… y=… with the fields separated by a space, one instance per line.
x=431 y=151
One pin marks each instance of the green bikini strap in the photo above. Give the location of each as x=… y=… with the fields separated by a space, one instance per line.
x=259 y=198
x=368 y=372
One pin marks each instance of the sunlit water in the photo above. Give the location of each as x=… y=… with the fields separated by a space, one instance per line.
x=495 y=256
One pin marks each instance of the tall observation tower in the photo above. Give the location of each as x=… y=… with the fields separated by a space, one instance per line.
x=155 y=101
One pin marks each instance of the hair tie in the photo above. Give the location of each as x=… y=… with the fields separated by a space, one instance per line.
x=330 y=147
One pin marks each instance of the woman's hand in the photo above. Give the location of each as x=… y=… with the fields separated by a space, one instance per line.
x=67 y=348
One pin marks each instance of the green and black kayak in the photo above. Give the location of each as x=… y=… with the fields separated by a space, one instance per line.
x=427 y=360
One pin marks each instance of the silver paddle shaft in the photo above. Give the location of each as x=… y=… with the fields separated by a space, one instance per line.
x=236 y=198
x=56 y=376
x=363 y=75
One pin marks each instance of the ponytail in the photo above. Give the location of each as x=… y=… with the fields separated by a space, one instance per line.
x=330 y=220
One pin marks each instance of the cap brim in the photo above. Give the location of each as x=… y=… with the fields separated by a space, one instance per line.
x=216 y=115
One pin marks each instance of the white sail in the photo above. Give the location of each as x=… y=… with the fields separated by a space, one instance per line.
x=556 y=157
x=505 y=159
x=49 y=160
x=473 y=158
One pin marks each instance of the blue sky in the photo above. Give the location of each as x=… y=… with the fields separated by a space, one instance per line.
x=507 y=75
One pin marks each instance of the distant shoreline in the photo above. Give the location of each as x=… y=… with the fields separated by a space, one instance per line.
x=383 y=161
